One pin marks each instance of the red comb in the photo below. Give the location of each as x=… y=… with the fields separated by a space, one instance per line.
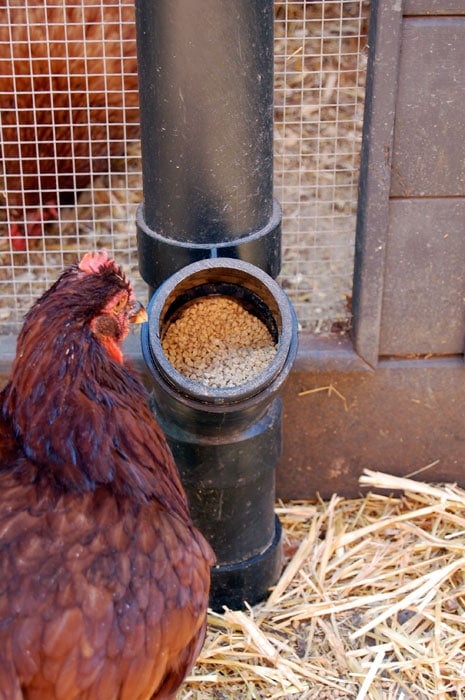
x=92 y=263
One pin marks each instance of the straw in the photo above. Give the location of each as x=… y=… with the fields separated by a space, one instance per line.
x=370 y=603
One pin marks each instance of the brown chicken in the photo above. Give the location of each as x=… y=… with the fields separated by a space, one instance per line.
x=104 y=579
x=69 y=101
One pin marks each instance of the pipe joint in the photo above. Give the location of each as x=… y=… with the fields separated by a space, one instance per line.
x=160 y=256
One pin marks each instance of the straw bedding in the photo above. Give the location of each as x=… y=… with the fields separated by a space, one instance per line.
x=370 y=604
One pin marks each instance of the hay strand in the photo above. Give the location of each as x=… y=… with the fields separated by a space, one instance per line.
x=370 y=604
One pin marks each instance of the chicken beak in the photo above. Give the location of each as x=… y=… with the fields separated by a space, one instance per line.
x=138 y=313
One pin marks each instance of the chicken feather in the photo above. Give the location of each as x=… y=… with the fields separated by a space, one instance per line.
x=105 y=580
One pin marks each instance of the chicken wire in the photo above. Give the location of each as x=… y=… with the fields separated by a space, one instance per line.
x=68 y=94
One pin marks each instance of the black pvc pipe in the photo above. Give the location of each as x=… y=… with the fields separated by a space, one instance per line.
x=209 y=224
x=226 y=441
x=206 y=112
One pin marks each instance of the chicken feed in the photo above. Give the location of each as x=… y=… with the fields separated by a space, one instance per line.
x=217 y=342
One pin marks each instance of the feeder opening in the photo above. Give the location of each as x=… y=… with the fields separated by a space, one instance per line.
x=199 y=296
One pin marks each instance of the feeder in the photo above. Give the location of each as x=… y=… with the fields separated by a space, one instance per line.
x=210 y=226
x=226 y=440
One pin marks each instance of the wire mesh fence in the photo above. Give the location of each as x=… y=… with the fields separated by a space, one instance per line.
x=70 y=174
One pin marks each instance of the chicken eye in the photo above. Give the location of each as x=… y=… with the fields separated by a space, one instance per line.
x=120 y=304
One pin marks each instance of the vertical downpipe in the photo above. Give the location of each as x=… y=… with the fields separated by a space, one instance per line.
x=206 y=112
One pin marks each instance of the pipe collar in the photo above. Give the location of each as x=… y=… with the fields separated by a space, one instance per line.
x=258 y=293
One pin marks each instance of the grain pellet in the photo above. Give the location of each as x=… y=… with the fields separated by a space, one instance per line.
x=217 y=342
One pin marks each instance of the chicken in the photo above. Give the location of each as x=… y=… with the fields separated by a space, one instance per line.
x=105 y=580
x=70 y=103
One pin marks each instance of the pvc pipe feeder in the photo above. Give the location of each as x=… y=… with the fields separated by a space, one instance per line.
x=226 y=441
x=209 y=225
